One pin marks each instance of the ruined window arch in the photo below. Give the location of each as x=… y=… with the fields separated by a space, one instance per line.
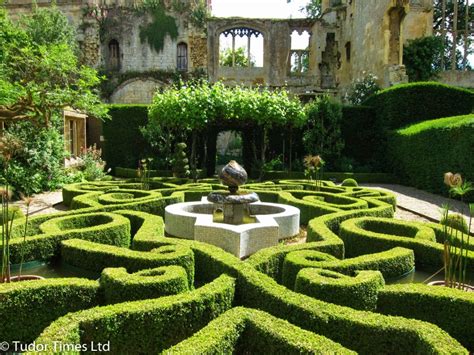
x=300 y=50
x=395 y=16
x=114 y=54
x=241 y=47
x=348 y=51
x=182 y=57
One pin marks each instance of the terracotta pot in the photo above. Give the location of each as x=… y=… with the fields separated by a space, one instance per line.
x=467 y=288
x=26 y=278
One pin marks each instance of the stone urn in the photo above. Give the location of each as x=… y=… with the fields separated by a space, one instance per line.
x=233 y=175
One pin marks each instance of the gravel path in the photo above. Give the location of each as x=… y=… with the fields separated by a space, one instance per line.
x=46 y=202
x=422 y=203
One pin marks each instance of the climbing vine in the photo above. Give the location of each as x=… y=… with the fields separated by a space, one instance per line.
x=162 y=25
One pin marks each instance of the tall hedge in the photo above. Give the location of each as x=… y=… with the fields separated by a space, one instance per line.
x=124 y=144
x=405 y=104
x=420 y=154
x=358 y=132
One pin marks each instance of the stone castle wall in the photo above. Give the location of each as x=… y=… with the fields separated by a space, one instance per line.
x=351 y=39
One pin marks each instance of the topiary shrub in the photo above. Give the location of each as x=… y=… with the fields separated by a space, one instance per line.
x=180 y=161
x=349 y=183
x=405 y=104
x=420 y=154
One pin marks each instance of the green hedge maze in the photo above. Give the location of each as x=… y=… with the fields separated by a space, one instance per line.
x=156 y=294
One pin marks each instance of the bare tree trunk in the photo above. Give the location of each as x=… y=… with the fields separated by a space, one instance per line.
x=455 y=35
x=466 y=35
x=443 y=30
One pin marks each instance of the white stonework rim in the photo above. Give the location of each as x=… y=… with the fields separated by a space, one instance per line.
x=194 y=220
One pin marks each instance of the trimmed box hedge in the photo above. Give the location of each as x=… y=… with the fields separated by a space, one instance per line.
x=249 y=331
x=405 y=104
x=96 y=257
x=155 y=324
x=370 y=235
x=120 y=286
x=450 y=309
x=420 y=154
x=358 y=292
x=106 y=228
x=392 y=263
x=28 y=307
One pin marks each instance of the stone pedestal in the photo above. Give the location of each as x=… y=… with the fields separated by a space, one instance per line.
x=234 y=213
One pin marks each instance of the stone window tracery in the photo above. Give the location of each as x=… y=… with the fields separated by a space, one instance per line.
x=241 y=47
x=299 y=52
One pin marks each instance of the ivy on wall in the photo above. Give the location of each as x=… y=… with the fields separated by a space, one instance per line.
x=162 y=25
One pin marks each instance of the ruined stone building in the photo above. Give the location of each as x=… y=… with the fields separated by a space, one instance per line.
x=141 y=47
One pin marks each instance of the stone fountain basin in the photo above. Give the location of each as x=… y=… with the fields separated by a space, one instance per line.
x=194 y=220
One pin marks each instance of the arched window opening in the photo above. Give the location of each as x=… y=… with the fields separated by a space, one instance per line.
x=241 y=47
x=396 y=16
x=299 y=53
x=114 y=54
x=182 y=57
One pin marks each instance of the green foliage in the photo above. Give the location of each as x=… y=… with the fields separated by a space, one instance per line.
x=199 y=14
x=13 y=212
x=370 y=235
x=156 y=324
x=49 y=25
x=180 y=161
x=323 y=132
x=236 y=58
x=359 y=133
x=30 y=306
x=420 y=56
x=363 y=88
x=350 y=182
x=91 y=164
x=246 y=330
x=95 y=257
x=405 y=104
x=54 y=77
x=44 y=237
x=120 y=286
x=359 y=292
x=392 y=263
x=442 y=306
x=433 y=140
x=312 y=9
x=456 y=221
x=162 y=25
x=38 y=163
x=124 y=144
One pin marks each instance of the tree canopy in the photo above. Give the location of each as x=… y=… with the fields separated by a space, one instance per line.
x=40 y=71
x=195 y=106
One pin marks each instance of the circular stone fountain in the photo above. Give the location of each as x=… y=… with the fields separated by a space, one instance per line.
x=195 y=220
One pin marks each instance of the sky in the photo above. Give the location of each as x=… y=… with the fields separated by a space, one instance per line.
x=258 y=8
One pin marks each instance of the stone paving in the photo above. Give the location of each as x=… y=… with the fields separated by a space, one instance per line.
x=426 y=205
x=46 y=202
